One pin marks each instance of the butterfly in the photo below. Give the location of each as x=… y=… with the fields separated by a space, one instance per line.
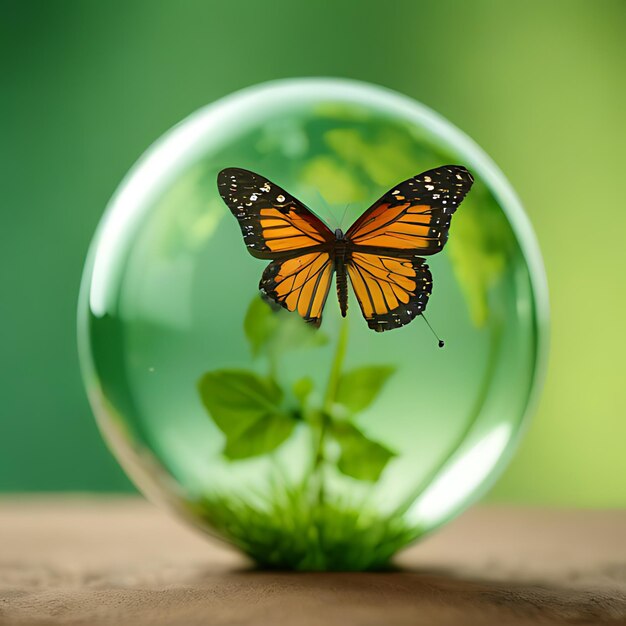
x=381 y=253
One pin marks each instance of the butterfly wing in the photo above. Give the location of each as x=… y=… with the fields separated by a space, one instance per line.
x=276 y=226
x=414 y=216
x=391 y=291
x=273 y=223
x=390 y=279
x=300 y=283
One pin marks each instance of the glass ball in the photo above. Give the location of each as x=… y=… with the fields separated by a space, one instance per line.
x=308 y=449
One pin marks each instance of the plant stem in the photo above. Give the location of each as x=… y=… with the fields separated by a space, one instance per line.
x=335 y=372
x=317 y=471
x=329 y=400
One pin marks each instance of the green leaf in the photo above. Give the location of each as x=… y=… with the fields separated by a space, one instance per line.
x=260 y=324
x=357 y=389
x=272 y=331
x=262 y=437
x=302 y=389
x=360 y=458
x=246 y=408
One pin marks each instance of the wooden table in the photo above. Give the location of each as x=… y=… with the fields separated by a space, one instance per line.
x=86 y=560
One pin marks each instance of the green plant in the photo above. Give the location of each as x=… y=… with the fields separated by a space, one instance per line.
x=291 y=530
x=298 y=527
x=257 y=413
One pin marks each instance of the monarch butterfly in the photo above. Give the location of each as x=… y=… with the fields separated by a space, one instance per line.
x=381 y=252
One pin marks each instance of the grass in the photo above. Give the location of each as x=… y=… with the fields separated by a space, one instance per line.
x=293 y=530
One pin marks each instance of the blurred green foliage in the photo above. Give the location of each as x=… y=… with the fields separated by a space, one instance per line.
x=86 y=87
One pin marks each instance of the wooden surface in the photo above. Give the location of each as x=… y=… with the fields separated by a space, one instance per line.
x=107 y=561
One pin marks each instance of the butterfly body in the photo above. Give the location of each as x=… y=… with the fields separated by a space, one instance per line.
x=381 y=254
x=340 y=253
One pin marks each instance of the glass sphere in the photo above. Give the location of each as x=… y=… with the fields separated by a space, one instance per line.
x=308 y=449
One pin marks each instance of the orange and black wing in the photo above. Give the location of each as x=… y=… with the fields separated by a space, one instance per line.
x=413 y=217
x=391 y=291
x=273 y=223
x=276 y=226
x=300 y=283
x=390 y=279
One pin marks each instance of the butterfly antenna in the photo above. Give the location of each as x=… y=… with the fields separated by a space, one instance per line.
x=331 y=213
x=439 y=340
x=343 y=215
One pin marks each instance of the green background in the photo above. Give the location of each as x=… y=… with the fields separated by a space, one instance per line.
x=87 y=86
